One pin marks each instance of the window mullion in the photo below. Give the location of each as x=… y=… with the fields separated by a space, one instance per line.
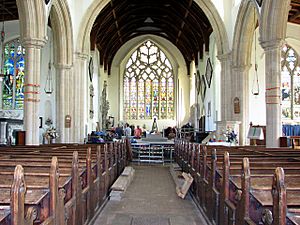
x=159 y=97
x=14 y=80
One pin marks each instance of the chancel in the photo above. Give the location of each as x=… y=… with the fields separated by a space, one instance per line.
x=106 y=102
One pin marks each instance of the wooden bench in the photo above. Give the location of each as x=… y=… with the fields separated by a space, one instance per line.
x=42 y=195
x=221 y=195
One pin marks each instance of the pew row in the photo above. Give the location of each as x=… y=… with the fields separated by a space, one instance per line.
x=224 y=194
x=42 y=193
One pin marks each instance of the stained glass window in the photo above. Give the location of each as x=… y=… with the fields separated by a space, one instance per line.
x=148 y=84
x=290 y=84
x=13 y=81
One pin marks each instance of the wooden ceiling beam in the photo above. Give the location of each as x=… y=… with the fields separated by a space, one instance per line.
x=116 y=21
x=187 y=11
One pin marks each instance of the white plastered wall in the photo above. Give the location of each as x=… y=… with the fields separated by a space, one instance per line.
x=115 y=82
x=257 y=105
x=47 y=103
x=96 y=77
x=212 y=95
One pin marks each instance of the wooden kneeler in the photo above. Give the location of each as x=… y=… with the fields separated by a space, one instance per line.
x=182 y=190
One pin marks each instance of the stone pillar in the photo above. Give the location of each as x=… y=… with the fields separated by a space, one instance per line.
x=3 y=139
x=273 y=92
x=32 y=89
x=63 y=87
x=1 y=91
x=226 y=94
x=241 y=93
x=80 y=93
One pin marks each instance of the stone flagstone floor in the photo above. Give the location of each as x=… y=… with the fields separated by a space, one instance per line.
x=151 y=200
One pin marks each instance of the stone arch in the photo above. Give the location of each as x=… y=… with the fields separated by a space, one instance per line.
x=62 y=32
x=63 y=61
x=173 y=54
x=243 y=33
x=207 y=6
x=136 y=42
x=30 y=27
x=274 y=17
x=247 y=17
x=273 y=32
x=217 y=24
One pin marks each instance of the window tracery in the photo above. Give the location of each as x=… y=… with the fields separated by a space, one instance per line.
x=148 y=84
x=290 y=84
x=14 y=75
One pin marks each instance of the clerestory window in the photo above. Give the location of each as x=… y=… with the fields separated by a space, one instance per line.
x=148 y=84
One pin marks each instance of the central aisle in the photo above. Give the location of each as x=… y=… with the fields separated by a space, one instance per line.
x=151 y=200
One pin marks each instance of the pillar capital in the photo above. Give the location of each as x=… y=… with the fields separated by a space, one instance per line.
x=34 y=42
x=241 y=68
x=63 y=66
x=224 y=57
x=269 y=45
x=82 y=55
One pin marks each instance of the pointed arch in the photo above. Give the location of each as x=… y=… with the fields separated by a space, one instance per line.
x=217 y=24
x=243 y=33
x=62 y=32
x=31 y=27
x=148 y=84
x=274 y=20
x=82 y=43
x=180 y=71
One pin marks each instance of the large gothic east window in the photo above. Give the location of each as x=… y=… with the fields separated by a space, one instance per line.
x=290 y=84
x=148 y=84
x=13 y=81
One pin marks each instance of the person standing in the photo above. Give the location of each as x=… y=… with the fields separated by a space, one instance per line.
x=127 y=130
x=138 y=132
x=154 y=127
x=119 y=131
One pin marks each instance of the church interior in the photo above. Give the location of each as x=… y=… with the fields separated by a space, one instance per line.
x=99 y=97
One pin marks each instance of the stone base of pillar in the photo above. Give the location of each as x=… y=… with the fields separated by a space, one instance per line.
x=3 y=141
x=3 y=126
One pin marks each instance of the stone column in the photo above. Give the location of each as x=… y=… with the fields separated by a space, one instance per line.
x=273 y=92
x=32 y=89
x=63 y=87
x=226 y=94
x=80 y=93
x=3 y=139
x=1 y=91
x=241 y=92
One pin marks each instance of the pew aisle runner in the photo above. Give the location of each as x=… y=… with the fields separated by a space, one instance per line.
x=151 y=200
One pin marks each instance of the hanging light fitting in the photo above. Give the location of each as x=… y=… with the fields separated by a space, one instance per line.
x=255 y=84
x=49 y=85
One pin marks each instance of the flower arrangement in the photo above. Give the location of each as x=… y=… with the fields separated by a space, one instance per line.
x=50 y=133
x=231 y=136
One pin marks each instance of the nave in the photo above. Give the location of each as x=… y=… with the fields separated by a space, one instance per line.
x=151 y=199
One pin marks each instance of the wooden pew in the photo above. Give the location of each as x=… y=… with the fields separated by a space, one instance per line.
x=81 y=189
x=210 y=187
